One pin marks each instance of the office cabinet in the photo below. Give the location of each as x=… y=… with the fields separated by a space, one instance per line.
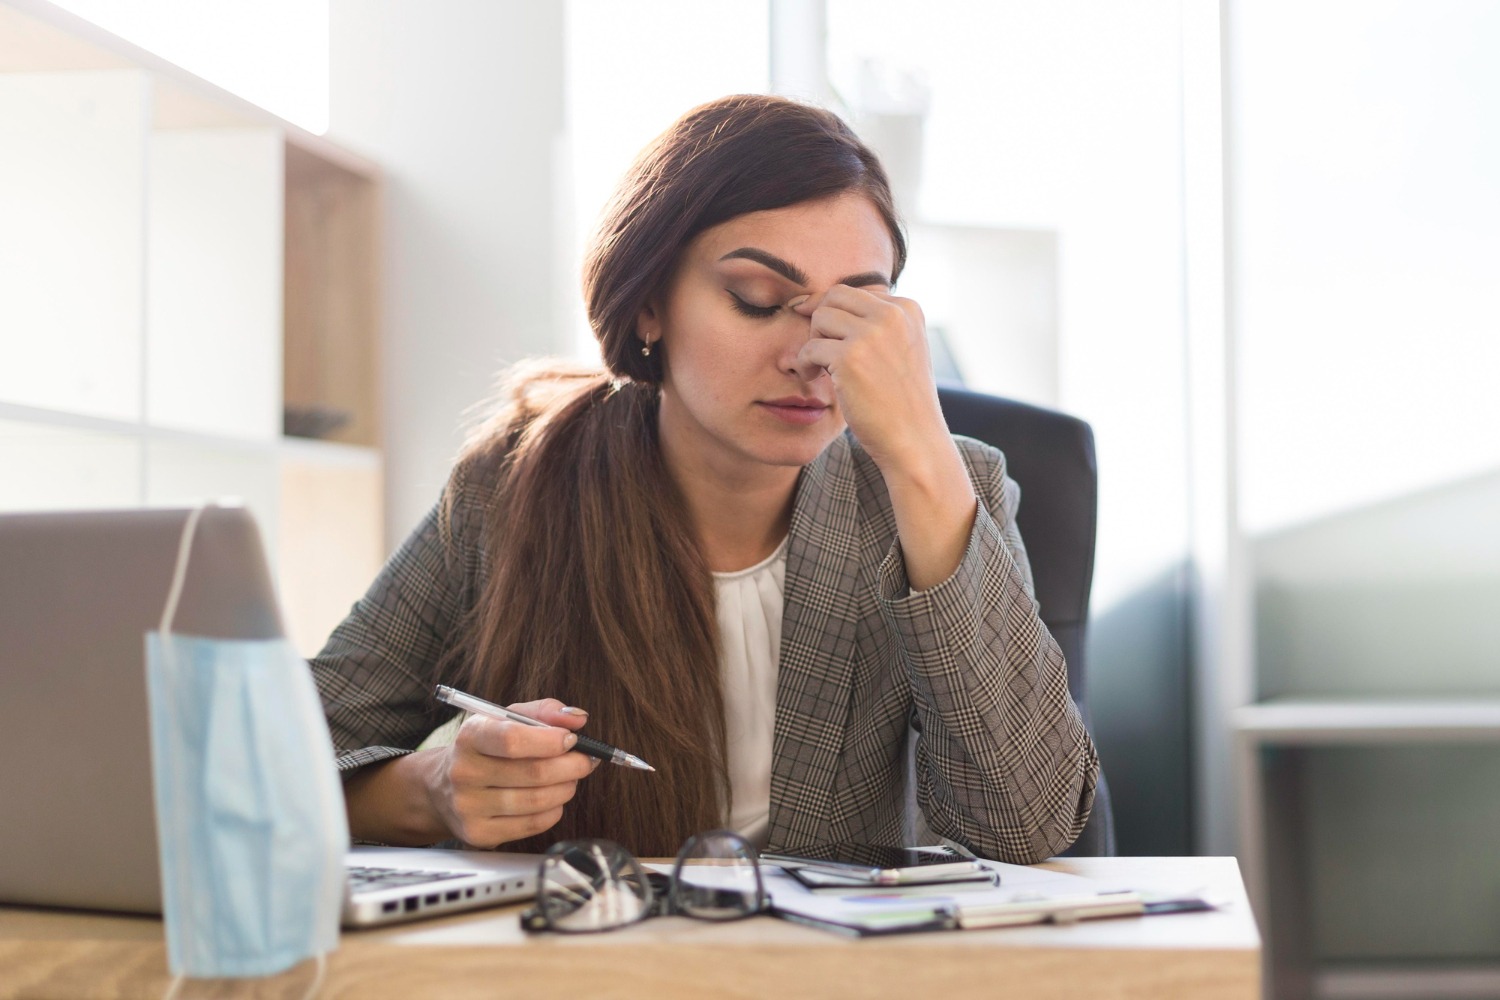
x=1381 y=760
x=1369 y=770
x=188 y=306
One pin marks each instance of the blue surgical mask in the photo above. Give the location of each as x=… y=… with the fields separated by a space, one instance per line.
x=249 y=808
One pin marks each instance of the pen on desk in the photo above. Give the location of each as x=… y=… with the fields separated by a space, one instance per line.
x=585 y=744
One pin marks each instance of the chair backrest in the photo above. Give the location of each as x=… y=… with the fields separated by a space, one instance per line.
x=1051 y=456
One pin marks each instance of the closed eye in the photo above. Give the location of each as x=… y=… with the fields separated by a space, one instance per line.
x=759 y=312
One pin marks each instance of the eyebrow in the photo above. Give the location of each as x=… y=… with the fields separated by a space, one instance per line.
x=794 y=273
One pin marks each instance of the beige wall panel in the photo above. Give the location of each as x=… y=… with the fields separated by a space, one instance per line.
x=329 y=544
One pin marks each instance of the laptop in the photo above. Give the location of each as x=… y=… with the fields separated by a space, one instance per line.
x=78 y=592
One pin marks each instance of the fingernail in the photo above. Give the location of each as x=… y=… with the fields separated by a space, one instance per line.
x=573 y=710
x=798 y=301
x=594 y=763
x=568 y=741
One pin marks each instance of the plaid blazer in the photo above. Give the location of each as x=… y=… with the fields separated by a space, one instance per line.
x=1004 y=764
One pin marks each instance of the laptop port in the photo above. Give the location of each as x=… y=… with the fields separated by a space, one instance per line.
x=451 y=896
x=410 y=906
x=390 y=907
x=431 y=900
x=468 y=893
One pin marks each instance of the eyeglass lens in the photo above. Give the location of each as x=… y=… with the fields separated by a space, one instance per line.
x=591 y=885
x=597 y=885
x=717 y=877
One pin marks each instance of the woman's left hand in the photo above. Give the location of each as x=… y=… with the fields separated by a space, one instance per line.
x=873 y=345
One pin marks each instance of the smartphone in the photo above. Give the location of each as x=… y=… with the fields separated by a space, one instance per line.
x=820 y=881
x=879 y=865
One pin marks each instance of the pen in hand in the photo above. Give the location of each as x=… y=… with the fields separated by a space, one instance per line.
x=585 y=744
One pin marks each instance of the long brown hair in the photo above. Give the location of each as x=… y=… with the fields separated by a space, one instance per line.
x=598 y=593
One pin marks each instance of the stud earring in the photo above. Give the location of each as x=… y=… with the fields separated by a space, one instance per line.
x=646 y=350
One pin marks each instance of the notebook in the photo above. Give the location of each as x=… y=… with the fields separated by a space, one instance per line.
x=78 y=591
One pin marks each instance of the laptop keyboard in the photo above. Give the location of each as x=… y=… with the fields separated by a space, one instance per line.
x=364 y=879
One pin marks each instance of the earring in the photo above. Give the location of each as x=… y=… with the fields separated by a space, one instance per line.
x=646 y=350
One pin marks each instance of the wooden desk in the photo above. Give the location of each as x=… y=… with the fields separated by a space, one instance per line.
x=1205 y=956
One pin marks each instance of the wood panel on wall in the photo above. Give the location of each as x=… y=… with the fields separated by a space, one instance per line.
x=331 y=306
x=329 y=543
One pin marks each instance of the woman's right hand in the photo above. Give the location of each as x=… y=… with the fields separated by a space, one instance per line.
x=501 y=781
x=497 y=782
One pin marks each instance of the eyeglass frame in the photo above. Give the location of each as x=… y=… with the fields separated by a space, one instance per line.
x=658 y=902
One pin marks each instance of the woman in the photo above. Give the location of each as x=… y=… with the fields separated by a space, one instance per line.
x=755 y=599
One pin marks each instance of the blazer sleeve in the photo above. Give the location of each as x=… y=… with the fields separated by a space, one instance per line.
x=1004 y=763
x=377 y=671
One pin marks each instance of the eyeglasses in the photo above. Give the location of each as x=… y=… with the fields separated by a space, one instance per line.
x=597 y=885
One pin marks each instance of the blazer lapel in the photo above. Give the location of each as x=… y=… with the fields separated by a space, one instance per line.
x=819 y=622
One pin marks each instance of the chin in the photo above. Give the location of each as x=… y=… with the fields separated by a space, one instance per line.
x=796 y=453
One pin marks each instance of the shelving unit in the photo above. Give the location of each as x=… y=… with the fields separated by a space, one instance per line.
x=990 y=293
x=185 y=277
x=1273 y=740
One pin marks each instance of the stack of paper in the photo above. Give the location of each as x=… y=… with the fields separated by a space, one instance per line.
x=1023 y=896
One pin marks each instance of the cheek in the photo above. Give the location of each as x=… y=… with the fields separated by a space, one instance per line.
x=717 y=361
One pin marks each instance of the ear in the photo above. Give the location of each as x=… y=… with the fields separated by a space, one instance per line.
x=647 y=323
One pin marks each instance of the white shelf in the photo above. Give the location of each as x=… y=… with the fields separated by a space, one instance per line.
x=1310 y=722
x=182 y=268
x=331 y=453
x=1272 y=804
x=1384 y=982
x=992 y=293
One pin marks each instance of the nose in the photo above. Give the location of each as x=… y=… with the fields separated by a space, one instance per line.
x=799 y=331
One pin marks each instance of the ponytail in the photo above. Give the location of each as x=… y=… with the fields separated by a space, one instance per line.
x=598 y=595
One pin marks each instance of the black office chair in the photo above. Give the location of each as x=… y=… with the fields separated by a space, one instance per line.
x=1051 y=456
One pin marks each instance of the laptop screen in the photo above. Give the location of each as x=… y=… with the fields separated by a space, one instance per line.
x=78 y=593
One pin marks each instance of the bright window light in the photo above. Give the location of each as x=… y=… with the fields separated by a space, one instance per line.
x=1366 y=253
x=273 y=53
x=632 y=70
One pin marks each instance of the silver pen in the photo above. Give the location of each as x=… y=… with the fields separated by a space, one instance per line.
x=585 y=744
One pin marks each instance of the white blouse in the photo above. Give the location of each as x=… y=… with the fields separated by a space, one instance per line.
x=749 y=610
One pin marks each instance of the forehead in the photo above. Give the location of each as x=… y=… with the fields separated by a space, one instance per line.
x=829 y=238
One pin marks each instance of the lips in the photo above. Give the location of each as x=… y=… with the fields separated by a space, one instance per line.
x=800 y=410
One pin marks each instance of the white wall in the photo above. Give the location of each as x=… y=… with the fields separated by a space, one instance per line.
x=1365 y=248
x=461 y=102
x=1366 y=151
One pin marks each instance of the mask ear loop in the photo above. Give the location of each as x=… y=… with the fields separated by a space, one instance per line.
x=317 y=982
x=174 y=594
x=179 y=574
